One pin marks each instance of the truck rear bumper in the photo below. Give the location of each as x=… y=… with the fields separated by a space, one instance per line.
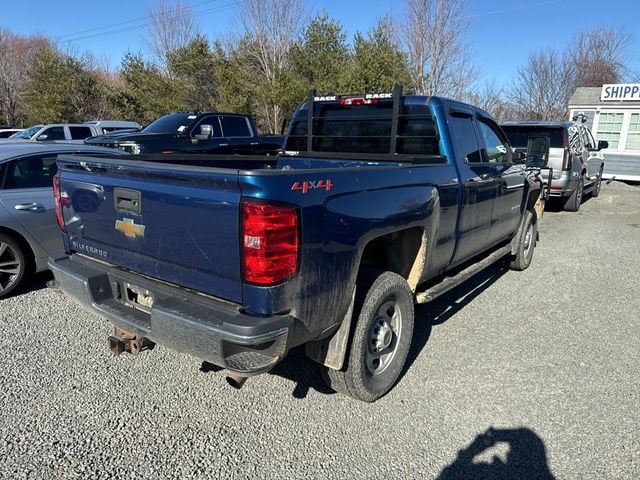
x=180 y=319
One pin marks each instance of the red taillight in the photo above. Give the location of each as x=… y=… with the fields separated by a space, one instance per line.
x=269 y=243
x=58 y=201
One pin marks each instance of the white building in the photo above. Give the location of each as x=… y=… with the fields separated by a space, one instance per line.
x=614 y=115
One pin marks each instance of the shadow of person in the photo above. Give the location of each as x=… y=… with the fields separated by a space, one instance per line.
x=526 y=458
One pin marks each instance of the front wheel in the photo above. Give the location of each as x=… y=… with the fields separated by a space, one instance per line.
x=526 y=243
x=381 y=337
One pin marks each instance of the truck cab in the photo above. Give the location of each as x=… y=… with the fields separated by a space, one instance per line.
x=192 y=132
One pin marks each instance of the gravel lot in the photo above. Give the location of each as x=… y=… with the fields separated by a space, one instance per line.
x=548 y=358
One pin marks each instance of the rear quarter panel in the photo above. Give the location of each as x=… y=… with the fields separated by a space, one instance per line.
x=337 y=224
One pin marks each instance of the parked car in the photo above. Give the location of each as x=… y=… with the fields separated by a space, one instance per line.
x=28 y=230
x=104 y=127
x=191 y=132
x=7 y=132
x=380 y=201
x=576 y=161
x=55 y=132
x=70 y=132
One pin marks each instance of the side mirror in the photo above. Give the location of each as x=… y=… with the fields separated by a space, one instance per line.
x=42 y=138
x=538 y=152
x=206 y=133
x=602 y=144
x=519 y=157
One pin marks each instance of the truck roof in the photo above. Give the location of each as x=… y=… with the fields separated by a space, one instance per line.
x=538 y=123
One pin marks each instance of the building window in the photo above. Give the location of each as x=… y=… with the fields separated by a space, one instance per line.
x=633 y=137
x=609 y=126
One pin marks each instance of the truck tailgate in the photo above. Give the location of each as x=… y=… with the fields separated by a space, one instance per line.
x=178 y=224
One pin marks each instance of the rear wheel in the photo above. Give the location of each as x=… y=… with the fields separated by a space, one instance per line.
x=596 y=189
x=526 y=244
x=381 y=337
x=573 y=203
x=13 y=265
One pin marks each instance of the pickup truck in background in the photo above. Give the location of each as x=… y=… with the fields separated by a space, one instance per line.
x=379 y=201
x=193 y=132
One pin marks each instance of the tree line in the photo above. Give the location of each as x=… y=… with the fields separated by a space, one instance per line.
x=278 y=53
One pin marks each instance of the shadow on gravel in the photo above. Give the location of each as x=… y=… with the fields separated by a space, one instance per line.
x=526 y=457
x=443 y=308
x=304 y=373
x=38 y=282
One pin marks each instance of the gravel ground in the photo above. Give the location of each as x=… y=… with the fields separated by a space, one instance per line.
x=513 y=375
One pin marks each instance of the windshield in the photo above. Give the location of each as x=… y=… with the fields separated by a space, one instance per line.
x=28 y=133
x=519 y=135
x=172 y=123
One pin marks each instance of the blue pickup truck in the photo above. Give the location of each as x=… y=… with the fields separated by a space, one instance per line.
x=380 y=201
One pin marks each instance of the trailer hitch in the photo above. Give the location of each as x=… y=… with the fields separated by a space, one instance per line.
x=130 y=342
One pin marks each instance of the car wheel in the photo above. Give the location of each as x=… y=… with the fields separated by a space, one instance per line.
x=526 y=243
x=573 y=203
x=380 y=340
x=13 y=265
x=596 y=189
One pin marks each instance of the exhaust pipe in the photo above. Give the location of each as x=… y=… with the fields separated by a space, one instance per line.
x=236 y=381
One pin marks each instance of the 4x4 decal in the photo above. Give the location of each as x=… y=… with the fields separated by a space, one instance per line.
x=312 y=185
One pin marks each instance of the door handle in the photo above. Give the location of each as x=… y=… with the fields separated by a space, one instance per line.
x=483 y=178
x=30 y=207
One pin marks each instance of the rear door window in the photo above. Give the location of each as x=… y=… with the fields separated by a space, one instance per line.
x=35 y=171
x=80 y=133
x=235 y=127
x=464 y=136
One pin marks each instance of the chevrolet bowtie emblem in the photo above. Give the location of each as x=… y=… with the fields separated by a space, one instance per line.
x=130 y=229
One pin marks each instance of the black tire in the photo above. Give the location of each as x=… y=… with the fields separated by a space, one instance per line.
x=573 y=203
x=596 y=188
x=383 y=299
x=527 y=242
x=14 y=264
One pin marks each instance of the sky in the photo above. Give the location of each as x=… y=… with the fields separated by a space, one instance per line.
x=502 y=32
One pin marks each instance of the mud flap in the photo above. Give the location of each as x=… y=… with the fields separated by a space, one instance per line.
x=331 y=351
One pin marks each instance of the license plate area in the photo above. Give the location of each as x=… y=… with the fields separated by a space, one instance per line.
x=137 y=297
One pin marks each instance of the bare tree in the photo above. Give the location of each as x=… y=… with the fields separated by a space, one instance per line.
x=598 y=56
x=16 y=57
x=270 y=29
x=172 y=25
x=543 y=86
x=492 y=98
x=433 y=33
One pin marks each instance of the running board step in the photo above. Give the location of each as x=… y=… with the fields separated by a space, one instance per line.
x=450 y=282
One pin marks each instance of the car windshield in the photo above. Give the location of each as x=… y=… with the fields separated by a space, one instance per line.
x=519 y=135
x=172 y=123
x=28 y=133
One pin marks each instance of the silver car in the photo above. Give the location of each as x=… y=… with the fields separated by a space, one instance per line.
x=28 y=228
x=576 y=160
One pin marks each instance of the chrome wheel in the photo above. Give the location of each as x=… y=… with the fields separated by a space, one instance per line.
x=11 y=266
x=528 y=237
x=383 y=337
